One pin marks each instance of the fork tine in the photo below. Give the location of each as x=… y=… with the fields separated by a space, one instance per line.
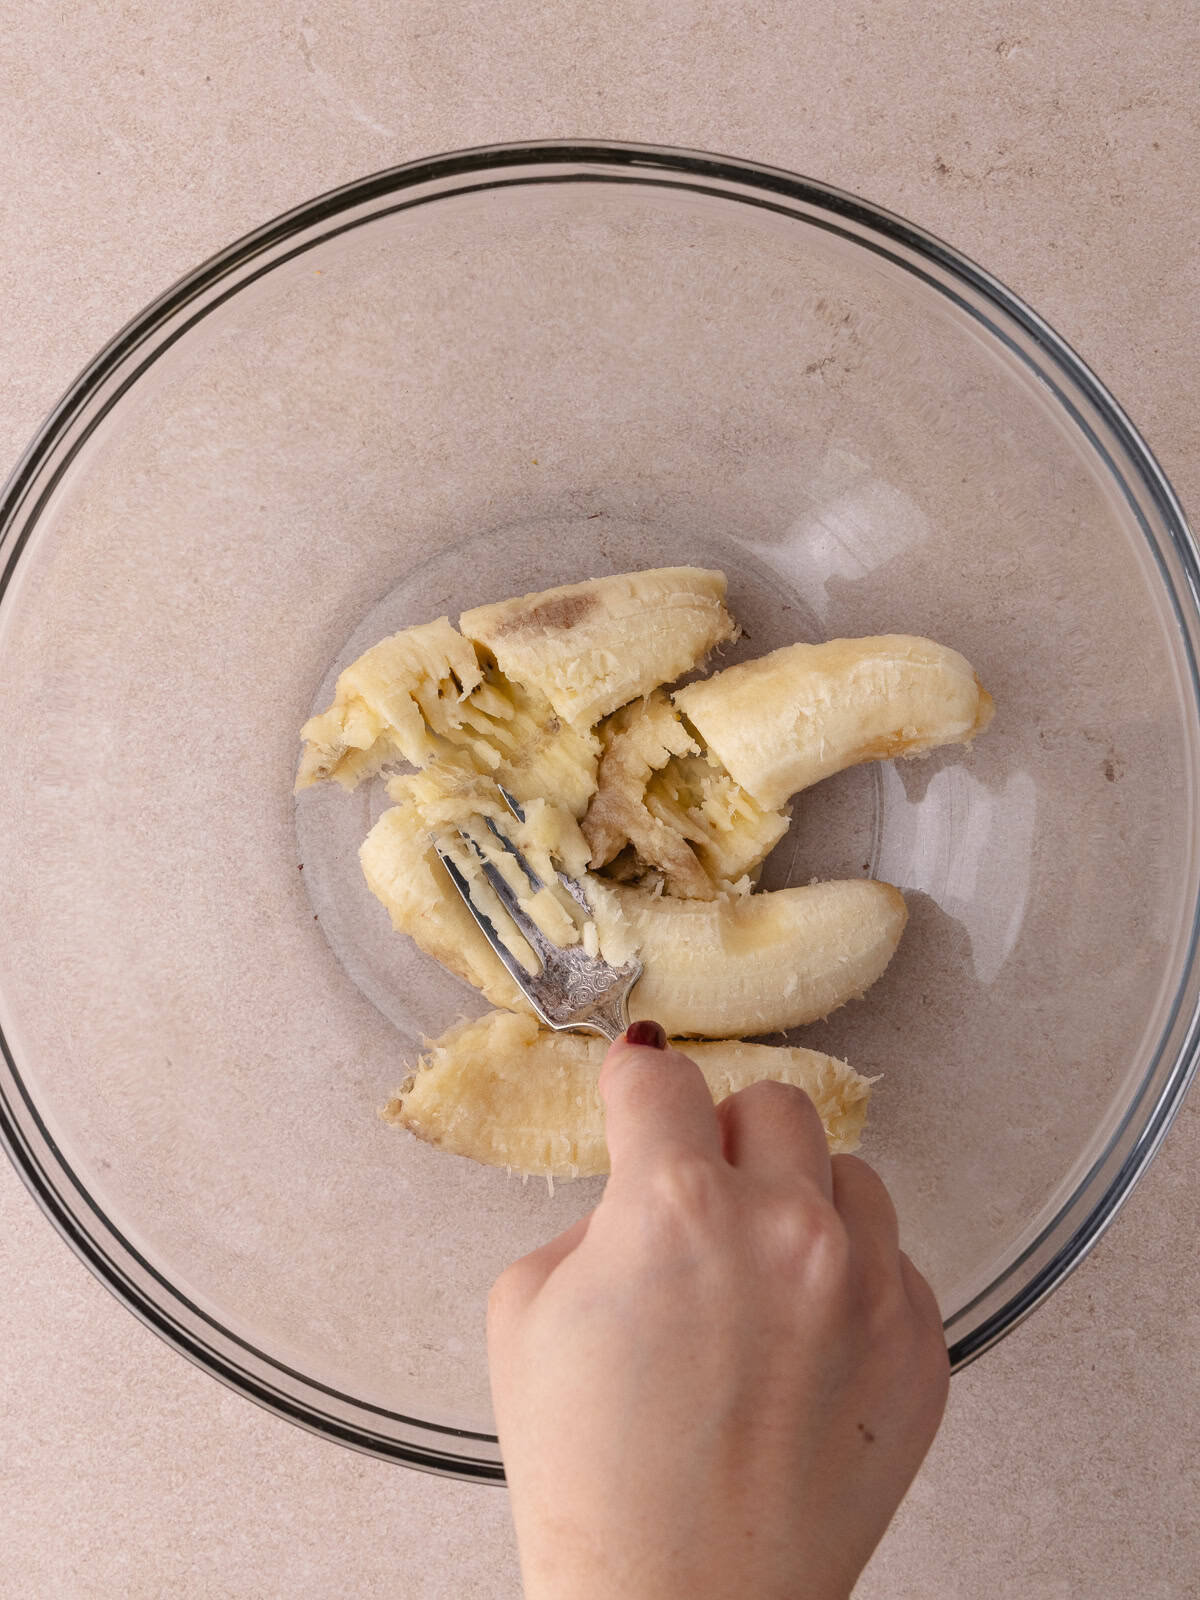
x=518 y=855
x=511 y=803
x=525 y=925
x=572 y=989
x=575 y=889
x=487 y=927
x=572 y=885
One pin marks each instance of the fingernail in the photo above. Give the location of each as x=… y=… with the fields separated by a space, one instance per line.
x=647 y=1033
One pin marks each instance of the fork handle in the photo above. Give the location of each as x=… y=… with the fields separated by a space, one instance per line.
x=610 y=1019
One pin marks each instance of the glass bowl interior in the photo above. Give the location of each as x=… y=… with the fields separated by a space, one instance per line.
x=482 y=376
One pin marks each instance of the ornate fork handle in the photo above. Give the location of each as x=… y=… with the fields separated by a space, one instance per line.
x=611 y=1019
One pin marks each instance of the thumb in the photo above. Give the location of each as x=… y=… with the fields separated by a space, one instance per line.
x=655 y=1101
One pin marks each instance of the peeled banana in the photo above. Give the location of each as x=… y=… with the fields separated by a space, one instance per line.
x=791 y=718
x=404 y=872
x=504 y=1091
x=591 y=647
x=754 y=963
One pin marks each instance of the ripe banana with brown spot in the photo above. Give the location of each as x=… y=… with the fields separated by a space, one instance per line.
x=591 y=647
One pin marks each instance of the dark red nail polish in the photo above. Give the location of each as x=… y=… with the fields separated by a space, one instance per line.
x=648 y=1033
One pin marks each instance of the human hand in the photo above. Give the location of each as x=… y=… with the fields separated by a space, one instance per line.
x=721 y=1383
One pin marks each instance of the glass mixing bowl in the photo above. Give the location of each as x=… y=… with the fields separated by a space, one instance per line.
x=483 y=374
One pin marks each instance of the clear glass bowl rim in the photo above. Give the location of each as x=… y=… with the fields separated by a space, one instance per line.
x=1083 y=1218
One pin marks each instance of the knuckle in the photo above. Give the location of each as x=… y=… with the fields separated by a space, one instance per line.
x=786 y=1232
x=684 y=1191
x=804 y=1234
x=863 y=1184
x=777 y=1098
x=828 y=1252
x=853 y=1168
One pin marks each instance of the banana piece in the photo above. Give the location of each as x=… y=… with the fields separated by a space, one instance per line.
x=731 y=834
x=686 y=819
x=591 y=647
x=791 y=718
x=397 y=702
x=504 y=1091
x=637 y=741
x=749 y=964
x=424 y=696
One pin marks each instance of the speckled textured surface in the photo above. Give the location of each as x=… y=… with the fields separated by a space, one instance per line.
x=1061 y=151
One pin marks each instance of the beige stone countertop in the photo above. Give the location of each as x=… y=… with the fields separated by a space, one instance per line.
x=1059 y=144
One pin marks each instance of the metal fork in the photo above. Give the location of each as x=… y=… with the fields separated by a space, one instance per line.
x=571 y=989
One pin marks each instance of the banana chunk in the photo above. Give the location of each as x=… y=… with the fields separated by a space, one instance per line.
x=750 y=964
x=509 y=1093
x=426 y=696
x=591 y=647
x=687 y=821
x=559 y=697
x=791 y=718
x=398 y=702
x=637 y=741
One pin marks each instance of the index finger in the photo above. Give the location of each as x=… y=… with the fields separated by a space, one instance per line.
x=656 y=1102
